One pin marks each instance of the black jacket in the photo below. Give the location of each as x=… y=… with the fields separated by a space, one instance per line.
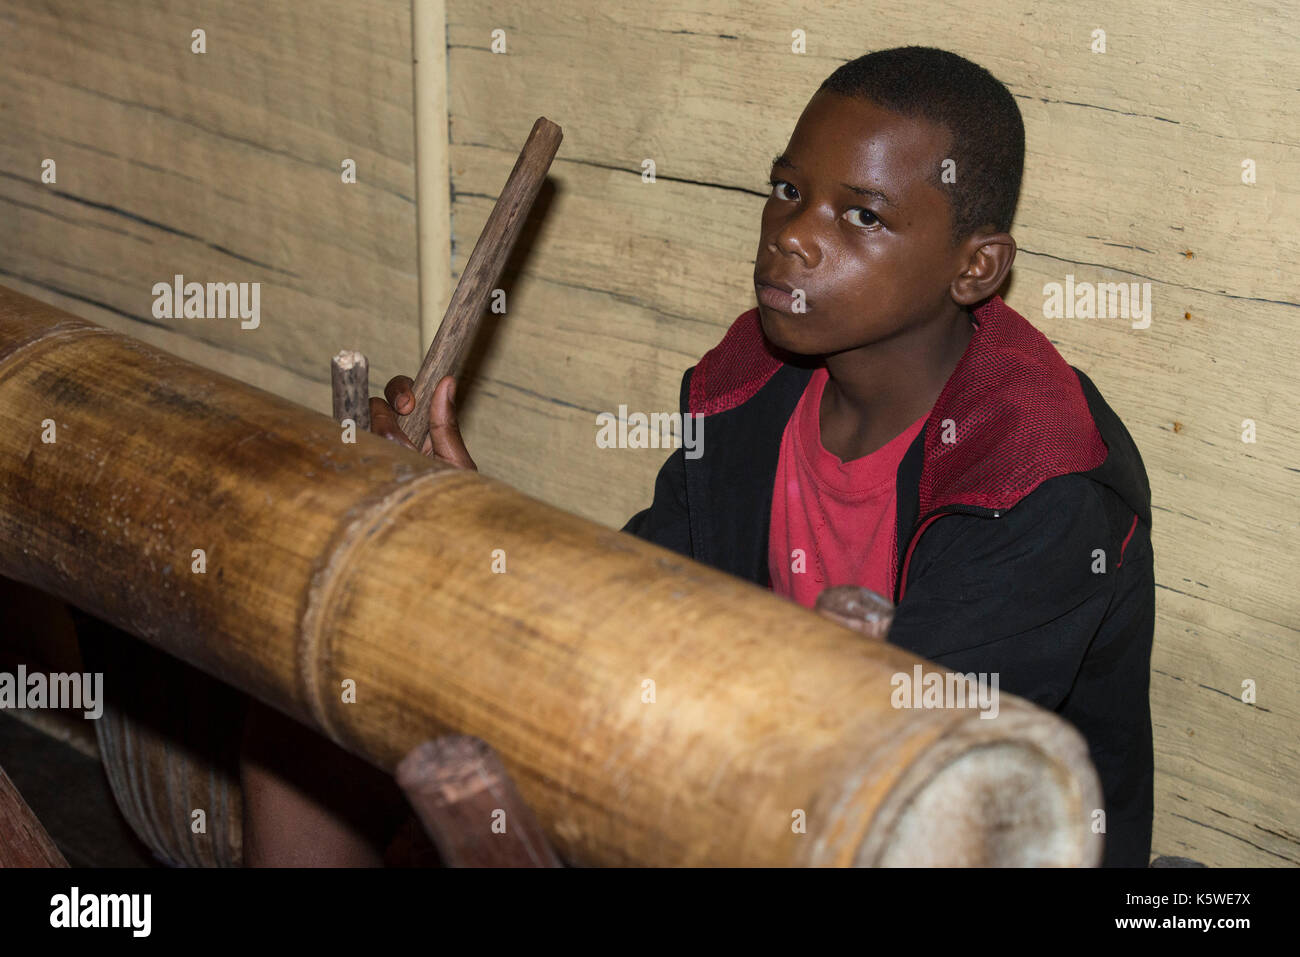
x=997 y=563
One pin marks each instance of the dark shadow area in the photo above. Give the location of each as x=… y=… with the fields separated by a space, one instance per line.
x=68 y=792
x=169 y=742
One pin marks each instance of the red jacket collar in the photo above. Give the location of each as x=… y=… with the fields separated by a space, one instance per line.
x=1013 y=412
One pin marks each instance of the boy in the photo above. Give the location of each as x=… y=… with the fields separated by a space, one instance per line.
x=883 y=419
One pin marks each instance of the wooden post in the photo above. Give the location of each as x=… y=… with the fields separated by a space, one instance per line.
x=470 y=807
x=350 y=387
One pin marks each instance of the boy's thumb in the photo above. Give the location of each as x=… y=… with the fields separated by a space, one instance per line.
x=445 y=440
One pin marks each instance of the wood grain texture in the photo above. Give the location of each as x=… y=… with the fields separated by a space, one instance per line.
x=224 y=166
x=350 y=385
x=1133 y=173
x=470 y=807
x=650 y=710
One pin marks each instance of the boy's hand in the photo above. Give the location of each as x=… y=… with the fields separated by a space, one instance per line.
x=865 y=611
x=444 y=440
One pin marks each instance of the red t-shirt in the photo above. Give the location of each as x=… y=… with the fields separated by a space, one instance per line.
x=834 y=520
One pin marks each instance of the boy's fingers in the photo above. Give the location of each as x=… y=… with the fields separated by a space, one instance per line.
x=444 y=430
x=444 y=439
x=861 y=609
x=400 y=394
x=383 y=421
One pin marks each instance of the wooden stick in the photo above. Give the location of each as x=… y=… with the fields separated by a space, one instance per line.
x=23 y=841
x=469 y=301
x=350 y=384
x=470 y=807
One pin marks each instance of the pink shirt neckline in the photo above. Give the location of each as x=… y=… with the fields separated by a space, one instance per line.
x=858 y=478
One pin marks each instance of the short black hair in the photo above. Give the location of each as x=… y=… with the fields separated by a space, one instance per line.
x=988 y=134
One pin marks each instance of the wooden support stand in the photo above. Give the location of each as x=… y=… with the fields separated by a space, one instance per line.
x=469 y=806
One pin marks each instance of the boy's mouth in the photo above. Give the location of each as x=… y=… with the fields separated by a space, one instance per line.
x=779 y=295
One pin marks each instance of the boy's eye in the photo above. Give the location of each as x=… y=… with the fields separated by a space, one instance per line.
x=870 y=218
x=776 y=185
x=858 y=215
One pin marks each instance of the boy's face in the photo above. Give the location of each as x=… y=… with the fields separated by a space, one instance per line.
x=870 y=265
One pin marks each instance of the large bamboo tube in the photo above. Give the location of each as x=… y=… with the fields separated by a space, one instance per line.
x=330 y=563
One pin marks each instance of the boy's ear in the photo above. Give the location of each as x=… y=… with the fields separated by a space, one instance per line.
x=988 y=258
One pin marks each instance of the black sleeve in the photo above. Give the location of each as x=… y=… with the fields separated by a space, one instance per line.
x=1017 y=595
x=667 y=522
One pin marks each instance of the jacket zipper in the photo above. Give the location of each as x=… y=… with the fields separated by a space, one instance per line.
x=900 y=586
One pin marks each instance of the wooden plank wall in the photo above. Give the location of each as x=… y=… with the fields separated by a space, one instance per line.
x=225 y=166
x=1133 y=174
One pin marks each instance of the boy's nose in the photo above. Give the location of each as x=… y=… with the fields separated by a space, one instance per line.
x=796 y=238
